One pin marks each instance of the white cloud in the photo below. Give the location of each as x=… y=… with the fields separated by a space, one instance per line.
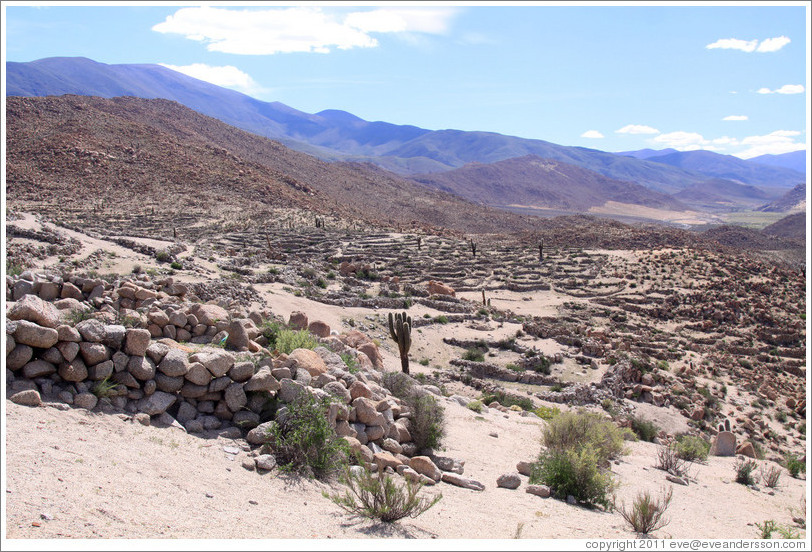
x=734 y=44
x=773 y=44
x=786 y=89
x=591 y=134
x=682 y=141
x=298 y=29
x=777 y=142
x=227 y=76
x=637 y=129
x=767 y=45
x=735 y=118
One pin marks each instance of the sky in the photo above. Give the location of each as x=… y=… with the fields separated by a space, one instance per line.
x=726 y=77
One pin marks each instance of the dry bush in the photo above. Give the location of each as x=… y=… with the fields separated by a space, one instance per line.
x=647 y=513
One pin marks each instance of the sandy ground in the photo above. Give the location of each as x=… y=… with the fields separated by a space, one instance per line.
x=75 y=474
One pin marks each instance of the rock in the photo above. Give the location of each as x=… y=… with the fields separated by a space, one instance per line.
x=263 y=381
x=73 y=371
x=245 y=419
x=367 y=413
x=460 y=481
x=209 y=314
x=260 y=434
x=385 y=460
x=374 y=432
x=68 y=350
x=34 y=309
x=289 y=390
x=372 y=352
x=438 y=288
x=319 y=328
x=198 y=374
x=265 y=462
x=114 y=335
x=338 y=391
x=48 y=291
x=249 y=464
x=571 y=500
x=142 y=368
x=539 y=490
x=175 y=363
x=195 y=426
x=359 y=389
x=308 y=360
x=235 y=397
x=186 y=412
x=509 y=480
x=746 y=449
x=87 y=401
x=157 y=351
x=217 y=362
x=723 y=444
x=94 y=353
x=136 y=341
x=100 y=371
x=524 y=468
x=29 y=397
x=37 y=369
x=298 y=320
x=241 y=371
x=142 y=419
x=157 y=403
x=91 y=330
x=70 y=291
x=19 y=357
x=424 y=465
x=35 y=335
x=237 y=336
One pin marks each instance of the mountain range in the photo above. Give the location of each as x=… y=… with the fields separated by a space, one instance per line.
x=484 y=167
x=404 y=149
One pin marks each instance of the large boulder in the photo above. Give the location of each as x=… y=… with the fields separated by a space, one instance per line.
x=723 y=444
x=209 y=314
x=424 y=466
x=136 y=341
x=35 y=335
x=175 y=363
x=438 y=288
x=237 y=336
x=298 y=321
x=34 y=309
x=308 y=360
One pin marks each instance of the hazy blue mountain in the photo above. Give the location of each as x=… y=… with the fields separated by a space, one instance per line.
x=795 y=160
x=535 y=182
x=332 y=134
x=730 y=167
x=646 y=153
x=793 y=200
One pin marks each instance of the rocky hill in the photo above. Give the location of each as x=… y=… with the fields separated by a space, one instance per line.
x=792 y=201
x=540 y=183
x=169 y=166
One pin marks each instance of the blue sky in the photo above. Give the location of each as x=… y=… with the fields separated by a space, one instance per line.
x=725 y=77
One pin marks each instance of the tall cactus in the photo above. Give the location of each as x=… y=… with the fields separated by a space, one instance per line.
x=400 y=328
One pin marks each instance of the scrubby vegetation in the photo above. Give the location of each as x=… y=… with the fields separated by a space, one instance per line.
x=303 y=441
x=428 y=415
x=574 y=462
x=647 y=514
x=377 y=496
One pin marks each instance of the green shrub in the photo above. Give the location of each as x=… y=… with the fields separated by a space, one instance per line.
x=770 y=476
x=525 y=403
x=176 y=265
x=474 y=354
x=352 y=364
x=428 y=420
x=162 y=256
x=104 y=388
x=513 y=367
x=644 y=429
x=692 y=448
x=574 y=471
x=304 y=442
x=570 y=430
x=669 y=460
x=424 y=362
x=427 y=426
x=476 y=406
x=646 y=514
x=289 y=340
x=442 y=319
x=546 y=412
x=794 y=465
x=379 y=497
x=744 y=471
